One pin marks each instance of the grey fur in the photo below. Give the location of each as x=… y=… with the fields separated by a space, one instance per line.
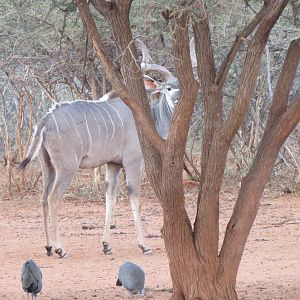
x=131 y=277
x=31 y=278
x=88 y=134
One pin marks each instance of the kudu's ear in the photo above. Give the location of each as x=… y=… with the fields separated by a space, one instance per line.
x=151 y=85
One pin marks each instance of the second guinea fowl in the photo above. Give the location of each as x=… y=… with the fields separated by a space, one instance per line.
x=131 y=277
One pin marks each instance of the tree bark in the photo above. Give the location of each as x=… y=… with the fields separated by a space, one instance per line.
x=197 y=268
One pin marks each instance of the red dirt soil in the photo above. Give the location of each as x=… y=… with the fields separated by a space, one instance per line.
x=270 y=268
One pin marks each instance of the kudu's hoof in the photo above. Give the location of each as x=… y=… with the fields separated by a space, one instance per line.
x=146 y=250
x=60 y=252
x=49 y=250
x=106 y=248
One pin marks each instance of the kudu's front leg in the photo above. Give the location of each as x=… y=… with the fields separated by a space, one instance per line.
x=111 y=183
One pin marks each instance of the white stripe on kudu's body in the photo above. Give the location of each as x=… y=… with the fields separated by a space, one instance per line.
x=77 y=135
x=120 y=120
x=55 y=121
x=112 y=123
x=99 y=110
x=88 y=134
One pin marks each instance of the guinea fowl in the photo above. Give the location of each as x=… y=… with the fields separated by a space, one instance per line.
x=131 y=277
x=31 y=278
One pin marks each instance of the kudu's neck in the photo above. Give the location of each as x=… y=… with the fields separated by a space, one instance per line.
x=162 y=115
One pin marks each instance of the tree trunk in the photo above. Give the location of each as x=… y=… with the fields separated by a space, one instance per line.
x=197 y=269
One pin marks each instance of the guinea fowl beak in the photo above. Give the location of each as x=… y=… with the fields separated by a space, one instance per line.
x=118 y=283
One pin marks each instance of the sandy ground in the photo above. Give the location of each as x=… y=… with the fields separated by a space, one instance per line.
x=270 y=268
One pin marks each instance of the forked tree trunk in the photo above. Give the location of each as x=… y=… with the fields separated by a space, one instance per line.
x=198 y=269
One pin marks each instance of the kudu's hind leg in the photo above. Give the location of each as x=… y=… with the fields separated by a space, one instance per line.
x=62 y=181
x=48 y=176
x=133 y=178
x=45 y=211
x=111 y=183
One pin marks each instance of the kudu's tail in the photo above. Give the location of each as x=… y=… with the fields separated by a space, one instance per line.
x=34 y=147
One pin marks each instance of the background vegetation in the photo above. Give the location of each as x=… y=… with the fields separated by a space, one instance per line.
x=46 y=57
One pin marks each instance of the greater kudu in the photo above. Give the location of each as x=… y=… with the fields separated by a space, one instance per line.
x=88 y=134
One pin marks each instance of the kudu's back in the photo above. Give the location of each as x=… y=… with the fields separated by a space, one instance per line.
x=86 y=134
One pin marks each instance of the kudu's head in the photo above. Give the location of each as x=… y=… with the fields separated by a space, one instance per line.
x=163 y=95
x=168 y=88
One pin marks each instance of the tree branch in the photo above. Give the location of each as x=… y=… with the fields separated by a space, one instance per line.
x=207 y=219
x=108 y=8
x=282 y=120
x=102 y=6
x=217 y=137
x=212 y=99
x=225 y=66
x=284 y=84
x=187 y=84
x=247 y=204
x=203 y=47
x=251 y=69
